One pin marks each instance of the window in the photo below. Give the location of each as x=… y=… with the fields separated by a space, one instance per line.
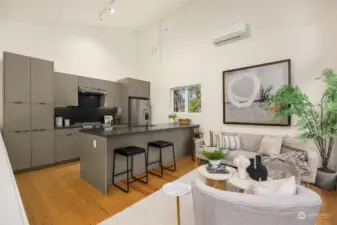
x=186 y=99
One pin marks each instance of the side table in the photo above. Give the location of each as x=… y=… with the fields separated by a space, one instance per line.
x=177 y=189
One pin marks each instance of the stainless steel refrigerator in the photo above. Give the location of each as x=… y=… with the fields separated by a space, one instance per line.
x=139 y=112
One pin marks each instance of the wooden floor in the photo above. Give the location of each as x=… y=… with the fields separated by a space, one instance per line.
x=57 y=196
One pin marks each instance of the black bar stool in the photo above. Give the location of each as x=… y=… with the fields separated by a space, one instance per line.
x=160 y=145
x=129 y=151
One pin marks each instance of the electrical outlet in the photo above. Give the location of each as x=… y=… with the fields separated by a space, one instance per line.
x=94 y=143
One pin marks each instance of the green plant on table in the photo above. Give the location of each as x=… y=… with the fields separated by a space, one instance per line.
x=213 y=155
x=173 y=116
x=197 y=132
x=315 y=122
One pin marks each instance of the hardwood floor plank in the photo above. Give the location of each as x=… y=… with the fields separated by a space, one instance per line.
x=58 y=196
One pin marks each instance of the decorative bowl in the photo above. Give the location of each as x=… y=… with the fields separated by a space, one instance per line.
x=184 y=121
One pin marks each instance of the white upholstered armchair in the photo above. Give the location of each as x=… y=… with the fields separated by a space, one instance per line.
x=216 y=207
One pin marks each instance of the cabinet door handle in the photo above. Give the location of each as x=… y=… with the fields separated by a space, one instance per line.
x=25 y=131
x=42 y=103
x=18 y=102
x=42 y=130
x=69 y=134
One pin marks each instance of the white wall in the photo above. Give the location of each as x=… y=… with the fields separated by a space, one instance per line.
x=87 y=51
x=179 y=51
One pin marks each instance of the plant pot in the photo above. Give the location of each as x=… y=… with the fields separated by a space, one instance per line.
x=171 y=120
x=197 y=136
x=326 y=179
x=214 y=163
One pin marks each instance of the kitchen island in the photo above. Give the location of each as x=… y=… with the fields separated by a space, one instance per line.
x=97 y=150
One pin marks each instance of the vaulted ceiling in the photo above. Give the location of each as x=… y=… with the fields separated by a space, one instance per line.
x=129 y=13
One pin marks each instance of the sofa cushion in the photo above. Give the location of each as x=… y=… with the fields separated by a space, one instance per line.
x=296 y=143
x=229 y=142
x=251 y=142
x=283 y=187
x=231 y=155
x=271 y=145
x=292 y=144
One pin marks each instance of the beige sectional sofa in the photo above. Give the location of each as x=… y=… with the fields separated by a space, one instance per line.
x=251 y=145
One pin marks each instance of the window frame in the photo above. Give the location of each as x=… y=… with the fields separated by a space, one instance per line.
x=186 y=98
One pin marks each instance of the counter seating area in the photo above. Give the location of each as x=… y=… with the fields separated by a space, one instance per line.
x=101 y=164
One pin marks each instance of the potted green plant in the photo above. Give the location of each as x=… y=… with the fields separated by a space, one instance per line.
x=197 y=133
x=315 y=122
x=173 y=117
x=214 y=157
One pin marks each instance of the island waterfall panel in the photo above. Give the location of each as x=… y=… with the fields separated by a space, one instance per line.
x=97 y=152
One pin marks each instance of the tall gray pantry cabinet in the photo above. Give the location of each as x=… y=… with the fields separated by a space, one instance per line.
x=28 y=111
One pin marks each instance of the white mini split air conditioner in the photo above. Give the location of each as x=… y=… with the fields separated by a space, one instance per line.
x=231 y=33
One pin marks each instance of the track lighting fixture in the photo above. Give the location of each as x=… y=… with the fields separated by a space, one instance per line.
x=107 y=8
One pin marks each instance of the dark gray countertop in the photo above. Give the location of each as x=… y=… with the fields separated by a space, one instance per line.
x=80 y=126
x=69 y=127
x=132 y=130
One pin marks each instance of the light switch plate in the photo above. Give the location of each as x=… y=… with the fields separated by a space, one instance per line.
x=94 y=143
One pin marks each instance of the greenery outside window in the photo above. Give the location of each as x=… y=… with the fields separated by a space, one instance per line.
x=186 y=99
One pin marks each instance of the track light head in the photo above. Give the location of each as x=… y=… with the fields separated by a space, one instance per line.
x=108 y=8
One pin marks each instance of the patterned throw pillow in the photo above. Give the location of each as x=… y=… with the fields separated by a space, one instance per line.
x=302 y=154
x=228 y=142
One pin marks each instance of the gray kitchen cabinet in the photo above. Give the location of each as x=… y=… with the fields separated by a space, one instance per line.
x=16 y=78
x=42 y=81
x=42 y=117
x=42 y=147
x=66 y=145
x=117 y=94
x=17 y=116
x=113 y=98
x=65 y=89
x=18 y=145
x=86 y=82
x=99 y=83
x=138 y=88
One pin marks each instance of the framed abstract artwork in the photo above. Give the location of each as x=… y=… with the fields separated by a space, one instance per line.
x=245 y=90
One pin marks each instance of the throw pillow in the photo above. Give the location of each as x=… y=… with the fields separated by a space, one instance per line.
x=228 y=142
x=282 y=187
x=291 y=144
x=296 y=143
x=288 y=188
x=251 y=142
x=270 y=145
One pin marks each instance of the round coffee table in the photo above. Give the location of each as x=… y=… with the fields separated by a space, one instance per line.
x=241 y=184
x=216 y=180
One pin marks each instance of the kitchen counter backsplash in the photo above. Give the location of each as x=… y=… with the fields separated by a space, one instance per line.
x=82 y=114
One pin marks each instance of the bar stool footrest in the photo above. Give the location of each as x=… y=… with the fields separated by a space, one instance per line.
x=154 y=162
x=169 y=168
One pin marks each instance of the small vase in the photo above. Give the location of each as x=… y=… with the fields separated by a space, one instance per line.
x=242 y=163
x=251 y=168
x=214 y=163
x=261 y=170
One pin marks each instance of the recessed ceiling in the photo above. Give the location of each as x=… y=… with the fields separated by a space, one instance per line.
x=129 y=13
